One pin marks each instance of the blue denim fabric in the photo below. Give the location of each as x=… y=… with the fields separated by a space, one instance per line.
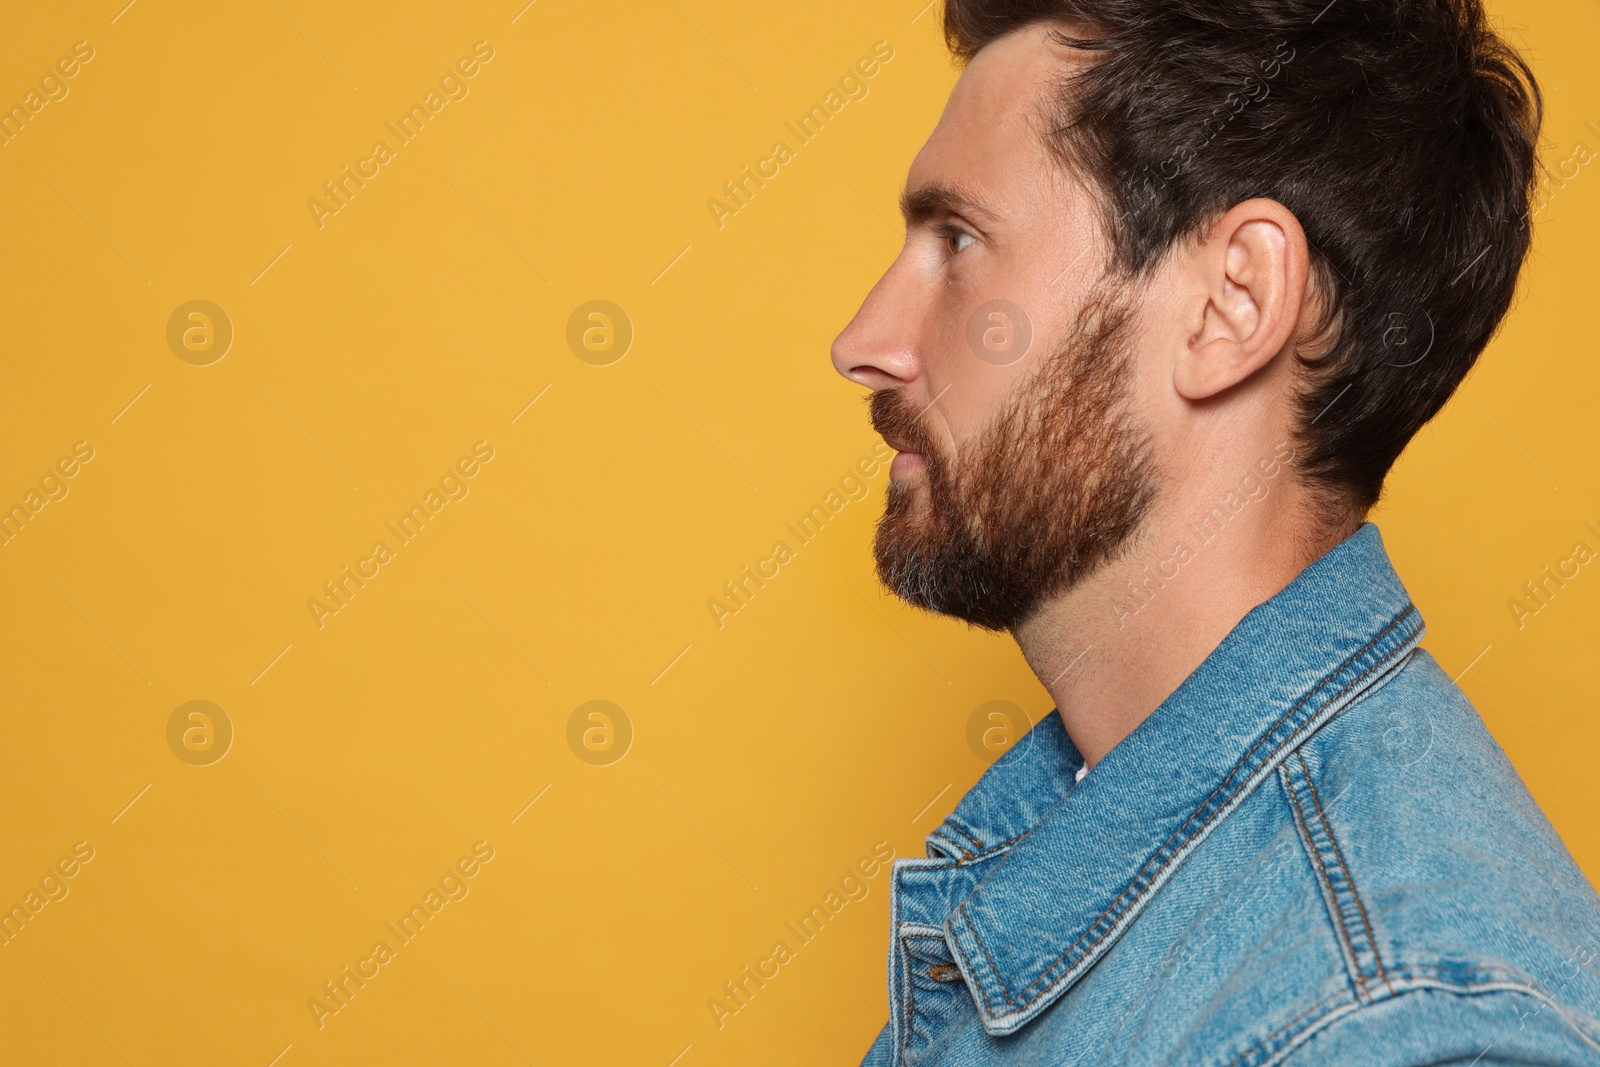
x=1311 y=853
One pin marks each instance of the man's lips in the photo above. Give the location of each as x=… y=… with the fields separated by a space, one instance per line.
x=900 y=444
x=907 y=458
x=906 y=463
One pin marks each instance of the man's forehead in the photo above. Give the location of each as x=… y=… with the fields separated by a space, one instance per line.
x=991 y=123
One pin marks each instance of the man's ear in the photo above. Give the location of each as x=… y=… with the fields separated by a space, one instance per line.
x=1247 y=280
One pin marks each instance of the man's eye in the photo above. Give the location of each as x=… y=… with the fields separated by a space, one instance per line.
x=957 y=239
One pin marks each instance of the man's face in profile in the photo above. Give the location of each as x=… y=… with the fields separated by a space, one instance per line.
x=1003 y=361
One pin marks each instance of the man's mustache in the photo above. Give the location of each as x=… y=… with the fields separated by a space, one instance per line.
x=894 y=417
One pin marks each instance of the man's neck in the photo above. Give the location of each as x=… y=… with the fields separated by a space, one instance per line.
x=1118 y=643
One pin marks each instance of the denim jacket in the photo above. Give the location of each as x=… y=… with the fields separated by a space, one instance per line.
x=1312 y=853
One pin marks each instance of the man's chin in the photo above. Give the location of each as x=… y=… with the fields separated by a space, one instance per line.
x=915 y=558
x=906 y=496
x=904 y=530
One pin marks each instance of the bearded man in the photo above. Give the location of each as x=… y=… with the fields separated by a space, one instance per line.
x=1181 y=279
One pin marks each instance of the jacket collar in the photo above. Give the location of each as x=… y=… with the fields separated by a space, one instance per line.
x=1071 y=866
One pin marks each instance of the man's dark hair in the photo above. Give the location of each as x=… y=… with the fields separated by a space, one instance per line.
x=1403 y=135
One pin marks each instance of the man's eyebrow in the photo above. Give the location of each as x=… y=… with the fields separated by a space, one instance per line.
x=928 y=201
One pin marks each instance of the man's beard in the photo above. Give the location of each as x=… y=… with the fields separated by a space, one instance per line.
x=1044 y=495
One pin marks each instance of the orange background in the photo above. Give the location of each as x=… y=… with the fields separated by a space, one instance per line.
x=371 y=753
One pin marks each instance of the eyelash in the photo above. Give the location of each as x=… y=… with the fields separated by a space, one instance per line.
x=949 y=232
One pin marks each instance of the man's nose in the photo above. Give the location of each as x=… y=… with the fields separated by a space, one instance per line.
x=878 y=347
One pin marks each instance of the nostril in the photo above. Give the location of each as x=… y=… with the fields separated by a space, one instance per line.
x=945 y=972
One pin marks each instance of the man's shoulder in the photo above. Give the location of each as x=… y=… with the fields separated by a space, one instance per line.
x=1397 y=897
x=1438 y=870
x=1492 y=1027
x=1419 y=796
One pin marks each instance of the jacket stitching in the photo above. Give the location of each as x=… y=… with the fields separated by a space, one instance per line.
x=1213 y=816
x=955 y=945
x=950 y=822
x=1322 y=816
x=1282 y=1036
x=1115 y=904
x=999 y=846
x=969 y=857
x=948 y=847
x=994 y=969
x=1326 y=884
x=1415 y=978
x=911 y=1004
x=911 y=988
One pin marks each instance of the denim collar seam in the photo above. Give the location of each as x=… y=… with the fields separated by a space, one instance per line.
x=961 y=861
x=950 y=821
x=910 y=1005
x=911 y=986
x=966 y=858
x=940 y=845
x=967 y=968
x=993 y=850
x=1117 y=905
x=944 y=836
x=1123 y=903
